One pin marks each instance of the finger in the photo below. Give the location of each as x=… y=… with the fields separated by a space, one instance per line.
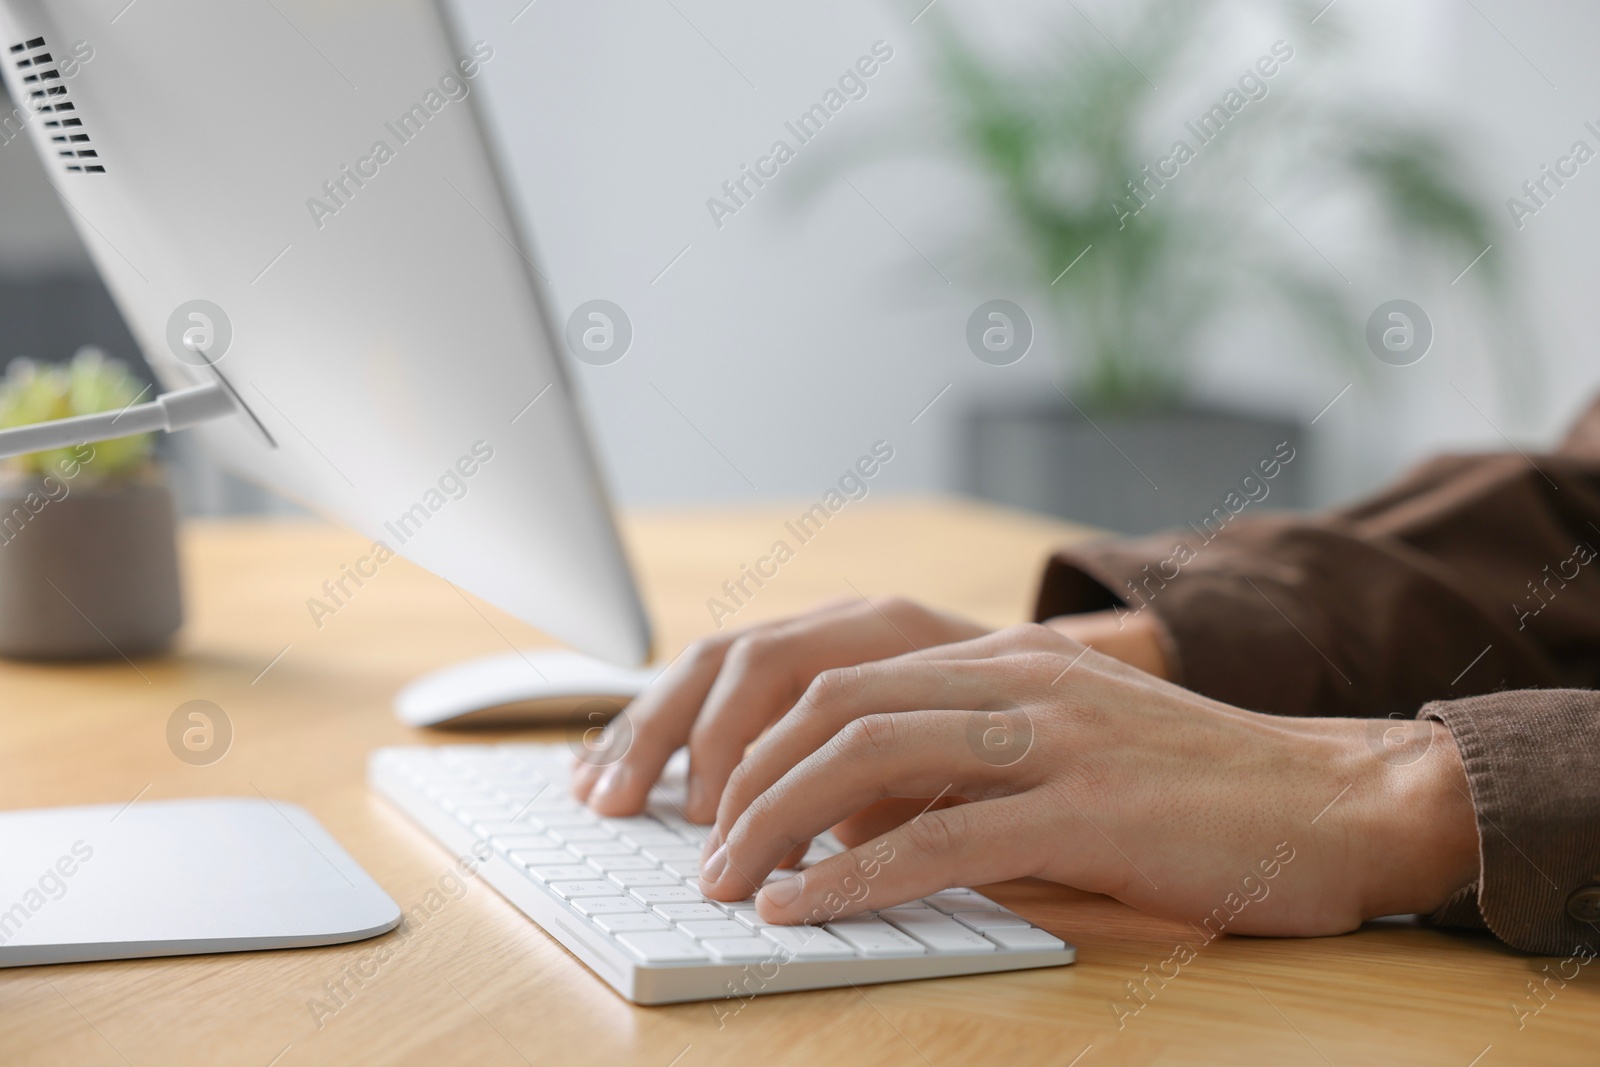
x=872 y=821
x=912 y=754
x=659 y=720
x=764 y=672
x=835 y=698
x=679 y=693
x=768 y=670
x=795 y=855
x=875 y=820
x=970 y=844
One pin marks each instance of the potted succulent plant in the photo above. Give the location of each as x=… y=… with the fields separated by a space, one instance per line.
x=88 y=550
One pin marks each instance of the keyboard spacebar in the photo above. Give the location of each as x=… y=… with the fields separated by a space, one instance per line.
x=666 y=946
x=874 y=937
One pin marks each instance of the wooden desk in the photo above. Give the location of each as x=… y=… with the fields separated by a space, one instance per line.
x=480 y=984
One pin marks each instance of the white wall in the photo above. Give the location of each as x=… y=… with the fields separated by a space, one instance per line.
x=1525 y=121
x=779 y=347
x=793 y=337
x=801 y=332
x=1487 y=65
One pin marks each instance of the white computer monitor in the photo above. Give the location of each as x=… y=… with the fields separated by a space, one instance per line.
x=310 y=189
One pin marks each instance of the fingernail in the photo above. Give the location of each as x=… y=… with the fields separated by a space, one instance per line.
x=781 y=894
x=612 y=781
x=714 y=865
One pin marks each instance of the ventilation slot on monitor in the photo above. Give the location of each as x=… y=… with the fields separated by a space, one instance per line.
x=48 y=94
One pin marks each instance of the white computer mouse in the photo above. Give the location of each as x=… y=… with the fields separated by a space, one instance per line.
x=519 y=688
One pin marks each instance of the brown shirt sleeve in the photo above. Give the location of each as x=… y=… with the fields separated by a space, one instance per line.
x=1473 y=575
x=1534 y=771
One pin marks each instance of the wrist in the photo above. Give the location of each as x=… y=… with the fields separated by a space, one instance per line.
x=1135 y=638
x=1418 y=828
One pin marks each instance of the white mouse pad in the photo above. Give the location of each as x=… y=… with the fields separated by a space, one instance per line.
x=176 y=877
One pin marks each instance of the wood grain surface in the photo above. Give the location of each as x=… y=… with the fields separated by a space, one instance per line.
x=479 y=984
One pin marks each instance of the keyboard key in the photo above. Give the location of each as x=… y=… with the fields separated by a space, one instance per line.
x=517 y=787
x=623 y=823
x=815 y=854
x=450 y=791
x=665 y=853
x=562 y=873
x=641 y=838
x=610 y=906
x=545 y=858
x=501 y=826
x=742 y=948
x=553 y=803
x=524 y=843
x=751 y=919
x=433 y=782
x=489 y=813
x=680 y=912
x=954 y=900
x=520 y=775
x=807 y=942
x=635 y=824
x=1024 y=939
x=621 y=863
x=669 y=816
x=667 y=894
x=577 y=817
x=535 y=755
x=454 y=798
x=569 y=834
x=629 y=922
x=633 y=879
x=984 y=921
x=939 y=932
x=609 y=847
x=665 y=946
x=874 y=937
x=686 y=870
x=573 y=890
x=704 y=928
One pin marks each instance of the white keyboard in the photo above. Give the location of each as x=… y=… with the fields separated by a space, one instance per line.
x=622 y=894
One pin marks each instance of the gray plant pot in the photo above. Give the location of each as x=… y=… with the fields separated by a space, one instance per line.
x=87 y=571
x=1132 y=473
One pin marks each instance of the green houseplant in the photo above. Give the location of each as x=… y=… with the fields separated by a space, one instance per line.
x=1145 y=222
x=1069 y=156
x=88 y=555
